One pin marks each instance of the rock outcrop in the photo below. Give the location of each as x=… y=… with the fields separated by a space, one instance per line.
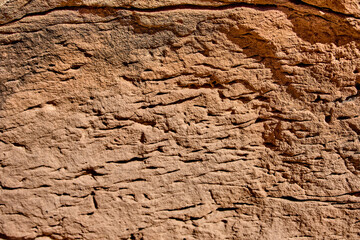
x=179 y=119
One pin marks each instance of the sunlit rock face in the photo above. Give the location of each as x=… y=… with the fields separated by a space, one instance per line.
x=179 y=119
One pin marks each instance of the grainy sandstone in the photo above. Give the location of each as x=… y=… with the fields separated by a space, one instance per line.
x=179 y=119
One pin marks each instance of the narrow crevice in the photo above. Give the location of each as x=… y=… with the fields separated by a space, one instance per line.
x=113 y=10
x=183 y=208
x=138 y=180
x=6 y=237
x=221 y=209
x=171 y=103
x=92 y=172
x=327 y=10
x=134 y=159
x=343 y=118
x=293 y=199
x=33 y=107
x=94 y=200
x=354 y=127
x=192 y=160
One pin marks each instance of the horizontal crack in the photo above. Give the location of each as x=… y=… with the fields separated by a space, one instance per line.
x=326 y=10
x=144 y=10
x=293 y=199
x=182 y=208
x=184 y=7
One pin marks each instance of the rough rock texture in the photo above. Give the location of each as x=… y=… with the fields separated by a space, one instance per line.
x=179 y=119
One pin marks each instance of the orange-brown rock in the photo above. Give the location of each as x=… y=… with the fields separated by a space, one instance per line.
x=179 y=119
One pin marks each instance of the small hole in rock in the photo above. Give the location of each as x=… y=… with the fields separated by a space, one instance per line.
x=143 y=138
x=318 y=99
x=357 y=85
x=76 y=66
x=327 y=118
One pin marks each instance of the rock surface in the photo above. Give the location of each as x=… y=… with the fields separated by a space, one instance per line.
x=179 y=119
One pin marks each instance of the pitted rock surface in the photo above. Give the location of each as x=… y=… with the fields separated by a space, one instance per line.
x=179 y=119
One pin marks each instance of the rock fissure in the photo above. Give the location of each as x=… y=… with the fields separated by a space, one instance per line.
x=226 y=6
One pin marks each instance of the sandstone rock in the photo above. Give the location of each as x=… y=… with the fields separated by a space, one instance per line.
x=179 y=119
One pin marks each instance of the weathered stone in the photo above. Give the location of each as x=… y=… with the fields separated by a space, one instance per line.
x=179 y=119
